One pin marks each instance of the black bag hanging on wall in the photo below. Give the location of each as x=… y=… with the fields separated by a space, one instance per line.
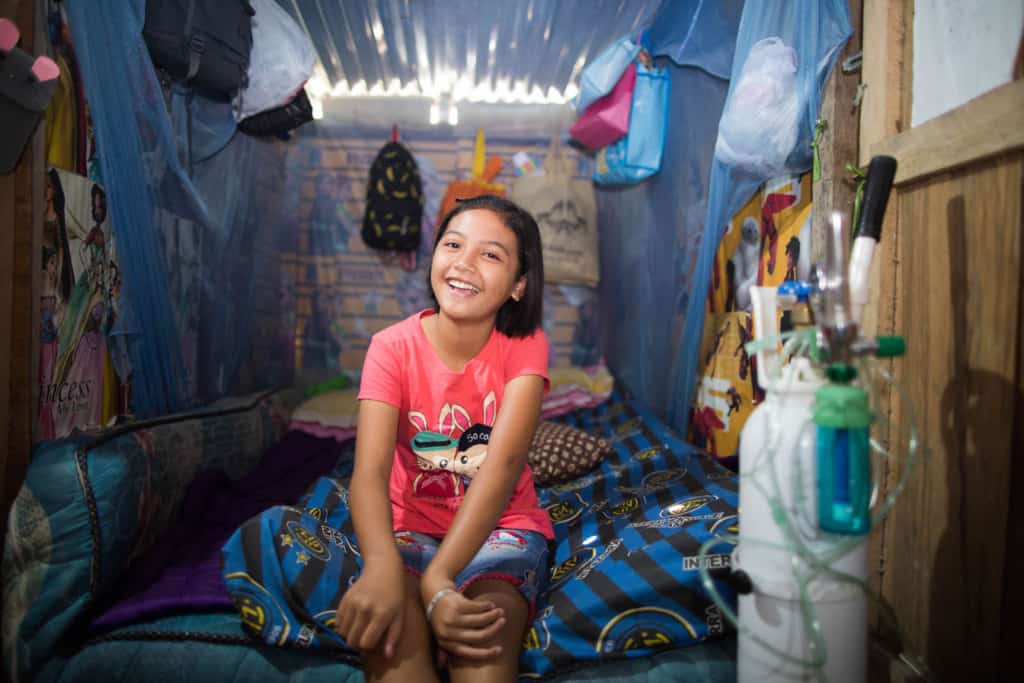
x=280 y=120
x=204 y=43
x=394 y=201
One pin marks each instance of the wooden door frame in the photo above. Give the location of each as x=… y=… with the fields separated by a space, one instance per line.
x=21 y=202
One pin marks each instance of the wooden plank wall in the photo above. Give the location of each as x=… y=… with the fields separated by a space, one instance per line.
x=1013 y=592
x=958 y=306
x=950 y=281
x=20 y=193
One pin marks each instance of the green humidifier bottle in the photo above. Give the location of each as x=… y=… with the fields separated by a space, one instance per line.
x=843 y=421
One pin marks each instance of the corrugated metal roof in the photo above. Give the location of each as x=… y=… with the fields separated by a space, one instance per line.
x=477 y=50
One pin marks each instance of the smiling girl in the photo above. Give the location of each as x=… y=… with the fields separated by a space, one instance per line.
x=453 y=541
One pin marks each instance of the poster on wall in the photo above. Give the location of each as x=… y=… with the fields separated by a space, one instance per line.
x=79 y=386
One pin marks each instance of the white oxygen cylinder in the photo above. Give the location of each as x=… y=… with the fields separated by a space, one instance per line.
x=777 y=479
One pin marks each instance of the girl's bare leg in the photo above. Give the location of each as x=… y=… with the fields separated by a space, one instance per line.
x=413 y=660
x=504 y=667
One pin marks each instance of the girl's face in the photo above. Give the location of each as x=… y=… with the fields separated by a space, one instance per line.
x=475 y=266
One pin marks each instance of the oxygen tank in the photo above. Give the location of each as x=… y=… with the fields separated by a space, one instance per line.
x=778 y=509
x=805 y=474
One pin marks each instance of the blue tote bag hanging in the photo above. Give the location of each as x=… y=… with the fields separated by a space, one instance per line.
x=637 y=155
x=603 y=72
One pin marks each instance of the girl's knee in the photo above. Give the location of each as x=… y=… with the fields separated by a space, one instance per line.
x=506 y=596
x=414 y=614
x=498 y=591
x=413 y=658
x=412 y=585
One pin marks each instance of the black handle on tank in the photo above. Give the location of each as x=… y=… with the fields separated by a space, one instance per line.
x=737 y=579
x=881 y=172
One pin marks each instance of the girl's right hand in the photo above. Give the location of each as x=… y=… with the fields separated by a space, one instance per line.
x=372 y=609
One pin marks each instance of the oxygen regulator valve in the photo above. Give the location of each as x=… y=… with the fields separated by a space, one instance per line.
x=842 y=414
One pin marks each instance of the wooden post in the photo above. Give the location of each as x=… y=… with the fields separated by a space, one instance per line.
x=20 y=225
x=839 y=141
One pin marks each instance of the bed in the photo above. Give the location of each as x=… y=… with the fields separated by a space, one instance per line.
x=112 y=561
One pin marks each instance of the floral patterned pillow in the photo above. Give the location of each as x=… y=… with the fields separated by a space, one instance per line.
x=559 y=453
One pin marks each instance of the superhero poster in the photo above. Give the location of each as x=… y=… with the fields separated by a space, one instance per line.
x=78 y=384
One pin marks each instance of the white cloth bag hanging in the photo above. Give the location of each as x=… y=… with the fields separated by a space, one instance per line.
x=281 y=61
x=566 y=213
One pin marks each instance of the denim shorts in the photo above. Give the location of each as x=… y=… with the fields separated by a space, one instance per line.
x=517 y=556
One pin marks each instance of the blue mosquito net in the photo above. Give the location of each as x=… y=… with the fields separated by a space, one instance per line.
x=212 y=305
x=650 y=232
x=816 y=31
x=196 y=226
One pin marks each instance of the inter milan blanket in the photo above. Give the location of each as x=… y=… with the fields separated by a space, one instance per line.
x=624 y=580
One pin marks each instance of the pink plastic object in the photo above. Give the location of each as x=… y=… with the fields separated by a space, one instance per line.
x=607 y=119
x=45 y=69
x=8 y=35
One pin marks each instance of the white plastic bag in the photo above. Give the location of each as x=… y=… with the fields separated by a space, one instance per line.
x=760 y=122
x=280 y=63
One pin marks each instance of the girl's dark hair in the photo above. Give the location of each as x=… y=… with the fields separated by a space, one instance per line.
x=515 y=318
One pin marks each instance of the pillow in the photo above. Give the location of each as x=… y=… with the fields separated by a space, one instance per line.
x=573 y=388
x=339 y=434
x=332 y=414
x=559 y=453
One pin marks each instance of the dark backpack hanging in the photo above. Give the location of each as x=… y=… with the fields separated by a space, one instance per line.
x=394 y=201
x=279 y=120
x=203 y=43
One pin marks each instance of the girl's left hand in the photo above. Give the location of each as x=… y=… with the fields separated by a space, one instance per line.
x=465 y=627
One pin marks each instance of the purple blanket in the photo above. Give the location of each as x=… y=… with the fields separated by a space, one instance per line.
x=181 y=572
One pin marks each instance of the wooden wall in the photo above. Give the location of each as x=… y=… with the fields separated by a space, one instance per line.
x=949 y=280
x=20 y=195
x=957 y=301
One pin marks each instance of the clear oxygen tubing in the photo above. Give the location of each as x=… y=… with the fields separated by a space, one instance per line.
x=817 y=562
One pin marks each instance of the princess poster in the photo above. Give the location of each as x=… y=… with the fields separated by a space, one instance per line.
x=80 y=283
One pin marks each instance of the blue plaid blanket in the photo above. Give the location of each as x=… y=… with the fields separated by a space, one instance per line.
x=624 y=579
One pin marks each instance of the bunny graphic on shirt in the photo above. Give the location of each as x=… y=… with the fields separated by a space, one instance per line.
x=450 y=457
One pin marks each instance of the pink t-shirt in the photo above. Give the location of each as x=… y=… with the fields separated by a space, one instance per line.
x=445 y=420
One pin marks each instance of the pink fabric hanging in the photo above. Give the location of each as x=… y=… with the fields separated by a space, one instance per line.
x=607 y=119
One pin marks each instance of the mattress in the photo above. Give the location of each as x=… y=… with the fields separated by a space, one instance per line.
x=624 y=601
